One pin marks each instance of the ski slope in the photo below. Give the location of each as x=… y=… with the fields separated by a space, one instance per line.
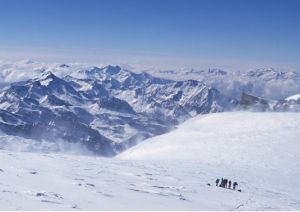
x=170 y=172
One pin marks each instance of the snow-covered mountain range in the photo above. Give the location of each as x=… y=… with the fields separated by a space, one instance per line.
x=108 y=109
x=266 y=82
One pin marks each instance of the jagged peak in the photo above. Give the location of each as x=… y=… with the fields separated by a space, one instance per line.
x=112 y=69
x=189 y=82
x=216 y=71
x=64 y=65
x=48 y=77
x=48 y=74
x=106 y=69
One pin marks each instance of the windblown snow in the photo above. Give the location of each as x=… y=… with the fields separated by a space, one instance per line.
x=261 y=151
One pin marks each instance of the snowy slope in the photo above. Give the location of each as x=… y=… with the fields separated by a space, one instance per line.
x=261 y=150
x=171 y=172
x=35 y=181
x=237 y=138
x=293 y=97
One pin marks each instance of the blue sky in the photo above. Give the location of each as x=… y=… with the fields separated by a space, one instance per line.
x=234 y=32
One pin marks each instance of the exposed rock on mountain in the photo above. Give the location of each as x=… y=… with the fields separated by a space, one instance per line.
x=105 y=109
x=255 y=103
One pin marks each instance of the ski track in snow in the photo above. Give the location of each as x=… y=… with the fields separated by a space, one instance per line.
x=39 y=181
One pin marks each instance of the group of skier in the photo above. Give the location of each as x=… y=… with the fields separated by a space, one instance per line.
x=225 y=183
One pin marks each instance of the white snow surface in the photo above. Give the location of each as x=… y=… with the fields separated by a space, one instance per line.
x=232 y=138
x=170 y=172
x=294 y=97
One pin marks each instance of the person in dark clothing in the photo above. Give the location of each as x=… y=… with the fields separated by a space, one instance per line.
x=229 y=184
x=222 y=182
x=235 y=185
x=217 y=182
x=225 y=183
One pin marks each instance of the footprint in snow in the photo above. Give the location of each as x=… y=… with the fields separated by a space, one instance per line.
x=50 y=201
x=33 y=172
x=159 y=190
x=90 y=184
x=147 y=174
x=105 y=194
x=8 y=191
x=49 y=195
x=74 y=206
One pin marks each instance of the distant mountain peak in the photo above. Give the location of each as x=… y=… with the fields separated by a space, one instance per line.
x=47 y=78
x=64 y=66
x=112 y=69
x=26 y=61
x=48 y=74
